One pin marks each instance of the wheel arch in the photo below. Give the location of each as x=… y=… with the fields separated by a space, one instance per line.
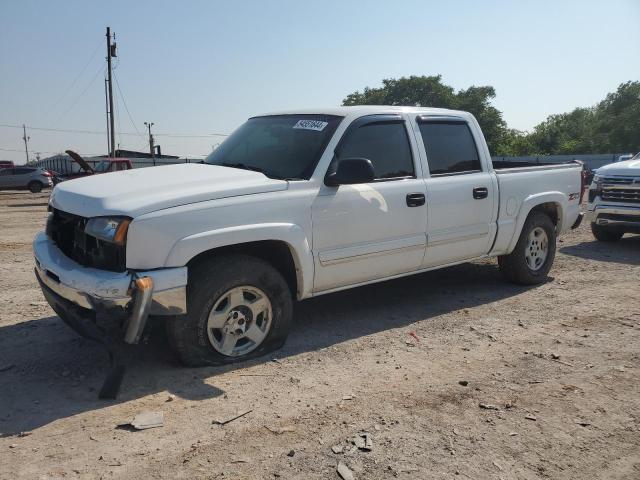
x=551 y=204
x=284 y=246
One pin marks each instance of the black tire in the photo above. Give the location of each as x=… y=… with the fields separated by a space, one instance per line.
x=35 y=186
x=208 y=281
x=514 y=266
x=605 y=234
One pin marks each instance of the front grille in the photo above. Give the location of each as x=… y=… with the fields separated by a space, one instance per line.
x=630 y=195
x=619 y=180
x=67 y=232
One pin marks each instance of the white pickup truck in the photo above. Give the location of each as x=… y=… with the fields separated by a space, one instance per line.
x=294 y=205
x=614 y=200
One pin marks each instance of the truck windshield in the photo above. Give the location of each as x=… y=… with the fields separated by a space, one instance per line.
x=279 y=146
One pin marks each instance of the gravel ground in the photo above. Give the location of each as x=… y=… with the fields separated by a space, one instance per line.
x=453 y=374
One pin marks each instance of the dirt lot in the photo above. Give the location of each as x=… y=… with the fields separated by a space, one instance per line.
x=557 y=366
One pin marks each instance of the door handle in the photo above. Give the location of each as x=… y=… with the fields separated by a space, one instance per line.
x=415 y=199
x=480 y=192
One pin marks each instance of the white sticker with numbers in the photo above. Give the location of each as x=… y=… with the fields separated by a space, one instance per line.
x=316 y=125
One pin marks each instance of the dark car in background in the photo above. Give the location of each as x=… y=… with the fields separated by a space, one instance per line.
x=21 y=178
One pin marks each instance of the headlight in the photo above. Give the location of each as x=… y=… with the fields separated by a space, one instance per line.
x=597 y=182
x=108 y=229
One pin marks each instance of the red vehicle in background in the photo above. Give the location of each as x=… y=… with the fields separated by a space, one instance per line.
x=104 y=166
x=6 y=164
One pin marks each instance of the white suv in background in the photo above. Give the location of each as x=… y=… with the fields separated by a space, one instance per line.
x=614 y=200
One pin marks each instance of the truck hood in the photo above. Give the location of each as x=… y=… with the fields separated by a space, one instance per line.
x=143 y=190
x=628 y=168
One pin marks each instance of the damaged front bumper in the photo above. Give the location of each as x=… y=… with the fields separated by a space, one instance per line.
x=76 y=293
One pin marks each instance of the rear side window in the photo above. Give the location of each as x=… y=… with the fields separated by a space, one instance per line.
x=450 y=148
x=386 y=145
x=22 y=171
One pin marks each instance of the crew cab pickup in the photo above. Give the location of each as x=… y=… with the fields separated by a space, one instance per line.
x=290 y=206
x=614 y=200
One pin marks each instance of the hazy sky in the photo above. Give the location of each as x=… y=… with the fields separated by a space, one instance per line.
x=195 y=68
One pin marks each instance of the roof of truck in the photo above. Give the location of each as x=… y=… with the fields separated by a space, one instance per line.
x=360 y=110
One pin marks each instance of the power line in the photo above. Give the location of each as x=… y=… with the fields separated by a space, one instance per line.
x=93 y=79
x=96 y=132
x=127 y=108
x=75 y=80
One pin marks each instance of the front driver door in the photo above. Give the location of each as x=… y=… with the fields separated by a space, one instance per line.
x=372 y=230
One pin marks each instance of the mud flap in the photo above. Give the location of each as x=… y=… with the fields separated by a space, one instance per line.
x=83 y=321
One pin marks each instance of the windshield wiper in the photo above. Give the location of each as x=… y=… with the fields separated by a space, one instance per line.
x=244 y=166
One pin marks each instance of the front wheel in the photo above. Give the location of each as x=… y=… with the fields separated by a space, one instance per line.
x=239 y=307
x=531 y=260
x=35 y=187
x=605 y=234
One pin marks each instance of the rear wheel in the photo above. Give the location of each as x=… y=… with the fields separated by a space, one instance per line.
x=531 y=260
x=35 y=187
x=239 y=307
x=605 y=234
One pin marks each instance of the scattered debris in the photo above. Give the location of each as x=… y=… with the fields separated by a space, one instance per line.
x=488 y=406
x=560 y=361
x=415 y=336
x=337 y=449
x=363 y=441
x=531 y=417
x=229 y=420
x=464 y=383
x=170 y=398
x=497 y=465
x=348 y=397
x=344 y=471
x=582 y=423
x=145 y=420
x=555 y=356
x=281 y=430
x=291 y=453
x=513 y=434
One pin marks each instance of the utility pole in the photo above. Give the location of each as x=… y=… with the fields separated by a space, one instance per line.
x=26 y=141
x=111 y=52
x=106 y=109
x=151 y=148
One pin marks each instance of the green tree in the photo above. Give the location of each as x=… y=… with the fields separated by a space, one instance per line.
x=429 y=91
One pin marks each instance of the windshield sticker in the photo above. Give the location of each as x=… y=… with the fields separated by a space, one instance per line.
x=316 y=125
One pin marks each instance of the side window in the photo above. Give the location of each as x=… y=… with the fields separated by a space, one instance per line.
x=6 y=171
x=450 y=147
x=385 y=144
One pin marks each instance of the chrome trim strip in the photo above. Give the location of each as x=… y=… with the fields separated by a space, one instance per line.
x=393 y=251
x=471 y=236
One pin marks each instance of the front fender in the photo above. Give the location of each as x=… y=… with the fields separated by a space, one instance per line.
x=532 y=201
x=293 y=235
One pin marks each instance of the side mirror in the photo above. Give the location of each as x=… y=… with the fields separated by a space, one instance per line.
x=350 y=171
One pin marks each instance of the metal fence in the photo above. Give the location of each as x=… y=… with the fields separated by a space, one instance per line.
x=64 y=165
x=593 y=161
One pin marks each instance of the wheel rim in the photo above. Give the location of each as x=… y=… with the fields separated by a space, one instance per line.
x=537 y=248
x=239 y=321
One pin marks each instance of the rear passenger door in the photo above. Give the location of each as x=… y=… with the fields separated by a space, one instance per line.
x=371 y=230
x=461 y=191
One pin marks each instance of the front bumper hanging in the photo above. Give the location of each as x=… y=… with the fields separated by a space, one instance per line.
x=137 y=294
